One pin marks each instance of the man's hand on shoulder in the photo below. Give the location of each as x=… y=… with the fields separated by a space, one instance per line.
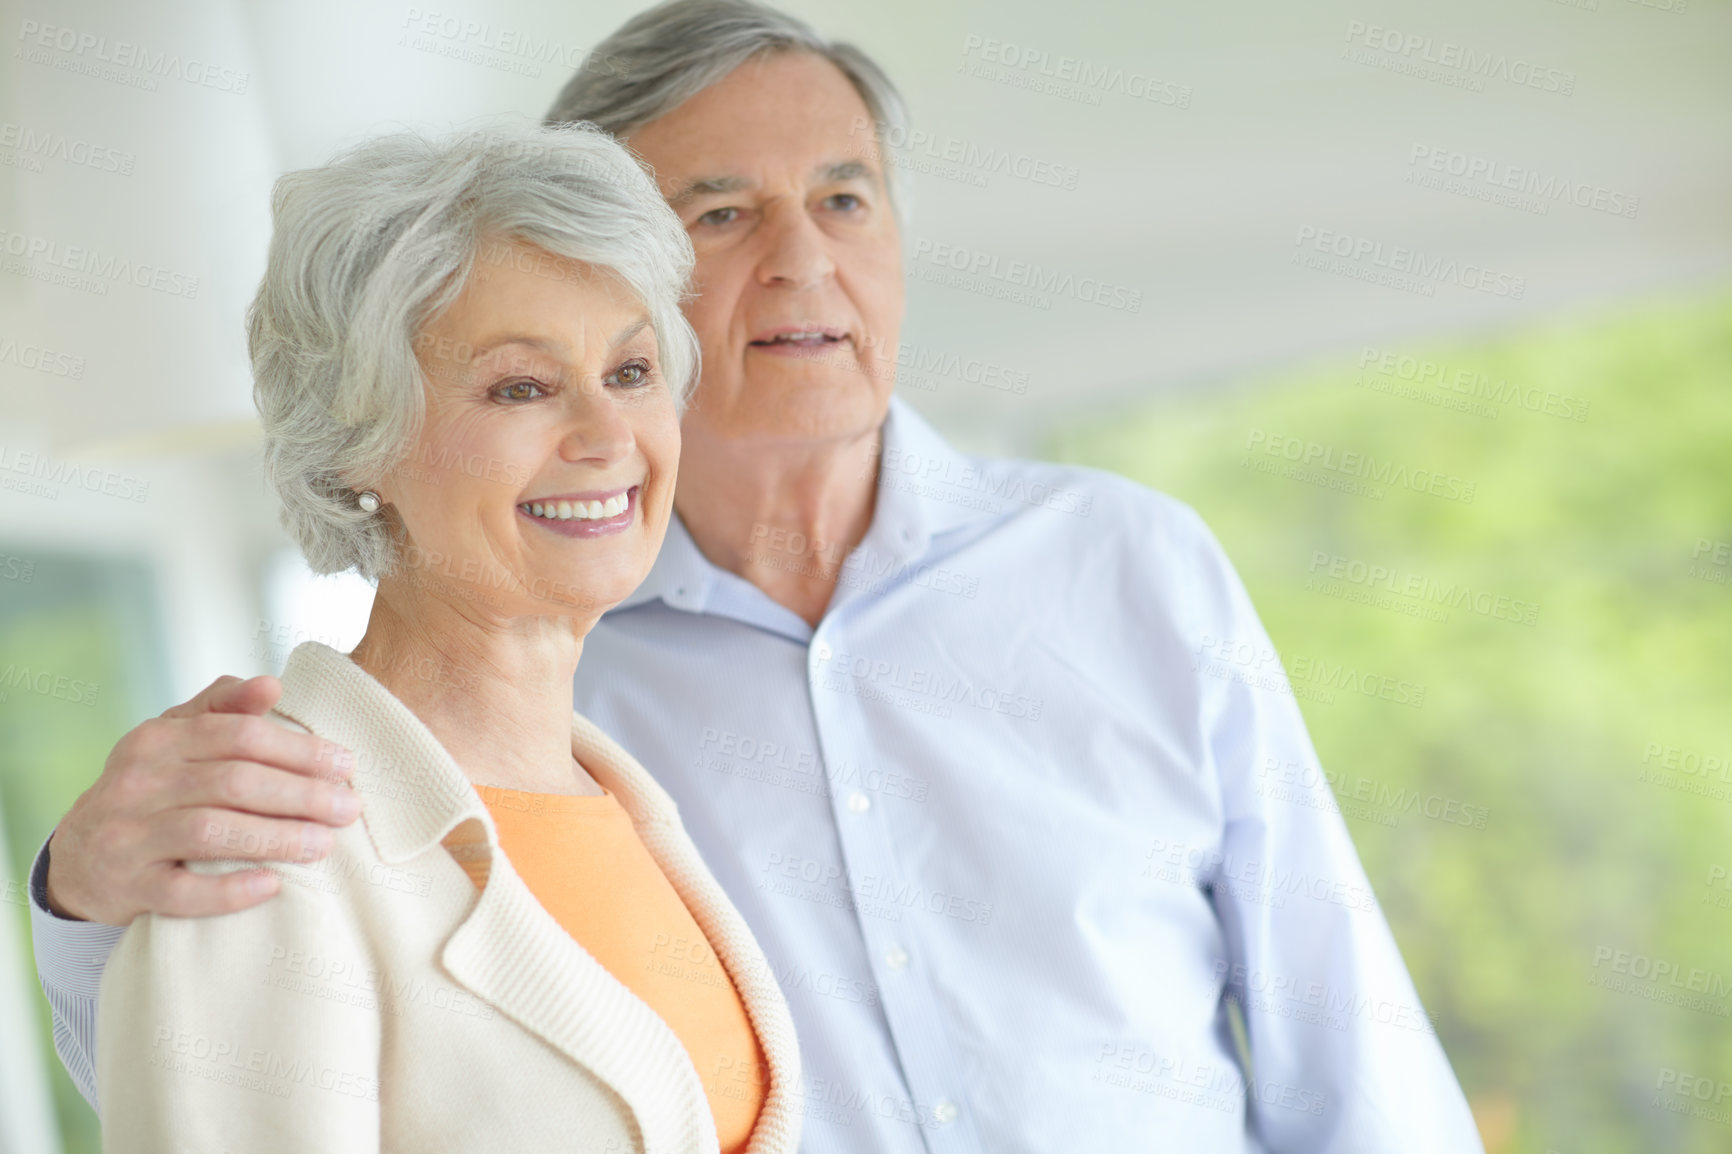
x=212 y=778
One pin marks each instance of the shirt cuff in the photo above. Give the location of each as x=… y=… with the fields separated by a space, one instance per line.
x=70 y=954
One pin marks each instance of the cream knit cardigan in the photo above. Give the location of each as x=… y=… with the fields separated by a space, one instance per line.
x=381 y=1002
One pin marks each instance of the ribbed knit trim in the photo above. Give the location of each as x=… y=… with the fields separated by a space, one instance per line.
x=778 y=1125
x=512 y=953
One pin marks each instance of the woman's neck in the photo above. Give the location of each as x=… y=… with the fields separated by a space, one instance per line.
x=496 y=693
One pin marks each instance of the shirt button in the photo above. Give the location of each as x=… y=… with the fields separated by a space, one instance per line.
x=944 y=1113
x=859 y=802
x=821 y=651
x=896 y=958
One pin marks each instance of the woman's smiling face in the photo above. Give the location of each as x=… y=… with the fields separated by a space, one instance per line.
x=543 y=477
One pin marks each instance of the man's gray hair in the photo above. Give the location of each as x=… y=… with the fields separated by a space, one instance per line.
x=663 y=57
x=367 y=249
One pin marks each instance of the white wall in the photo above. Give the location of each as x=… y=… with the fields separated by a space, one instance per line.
x=1260 y=129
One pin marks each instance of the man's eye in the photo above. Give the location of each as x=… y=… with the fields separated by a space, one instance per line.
x=719 y=216
x=631 y=375
x=519 y=391
x=846 y=201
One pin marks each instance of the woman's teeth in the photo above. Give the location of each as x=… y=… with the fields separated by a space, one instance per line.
x=580 y=510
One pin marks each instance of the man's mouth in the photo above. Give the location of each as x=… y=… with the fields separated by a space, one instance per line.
x=811 y=338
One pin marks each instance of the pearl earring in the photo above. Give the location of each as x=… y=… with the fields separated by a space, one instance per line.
x=369 y=501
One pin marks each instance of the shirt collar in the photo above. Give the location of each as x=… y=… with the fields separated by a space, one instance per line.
x=924 y=489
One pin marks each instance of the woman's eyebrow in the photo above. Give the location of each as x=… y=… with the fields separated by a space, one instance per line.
x=630 y=331
x=552 y=348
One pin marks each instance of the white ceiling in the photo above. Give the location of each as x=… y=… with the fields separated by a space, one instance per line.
x=1196 y=208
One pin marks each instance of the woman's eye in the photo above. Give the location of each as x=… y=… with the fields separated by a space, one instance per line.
x=719 y=216
x=519 y=391
x=631 y=374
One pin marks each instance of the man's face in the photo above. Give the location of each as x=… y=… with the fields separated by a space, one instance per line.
x=799 y=269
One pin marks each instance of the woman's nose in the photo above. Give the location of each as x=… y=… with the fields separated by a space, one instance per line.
x=596 y=430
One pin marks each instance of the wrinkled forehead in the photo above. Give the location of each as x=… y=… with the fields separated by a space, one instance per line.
x=777 y=116
x=523 y=303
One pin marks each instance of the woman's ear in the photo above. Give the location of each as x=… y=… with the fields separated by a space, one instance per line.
x=370 y=497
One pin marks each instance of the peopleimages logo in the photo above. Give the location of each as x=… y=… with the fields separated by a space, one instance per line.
x=471 y=40
x=989 y=267
x=41 y=475
x=1360 y=468
x=1450 y=595
x=83 y=261
x=1415 y=49
x=1693 y=979
x=42 y=145
x=44 y=360
x=1471 y=384
x=1071 y=76
x=1408 y=261
x=1256 y=664
x=86 y=53
x=985 y=160
x=1424 y=159
x=47 y=683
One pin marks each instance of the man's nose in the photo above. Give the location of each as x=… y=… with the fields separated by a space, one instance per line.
x=796 y=252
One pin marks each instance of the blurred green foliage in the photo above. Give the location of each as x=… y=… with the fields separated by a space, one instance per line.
x=91 y=621
x=1598 y=522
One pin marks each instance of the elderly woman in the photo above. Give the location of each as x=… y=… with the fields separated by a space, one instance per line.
x=470 y=359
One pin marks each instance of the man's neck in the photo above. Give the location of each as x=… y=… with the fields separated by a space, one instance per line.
x=784 y=515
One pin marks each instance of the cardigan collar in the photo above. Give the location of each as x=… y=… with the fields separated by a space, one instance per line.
x=510 y=951
x=398 y=757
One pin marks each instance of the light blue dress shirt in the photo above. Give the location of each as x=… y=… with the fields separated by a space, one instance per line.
x=1028 y=827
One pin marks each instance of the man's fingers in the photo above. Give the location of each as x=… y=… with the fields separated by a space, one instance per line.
x=180 y=893
x=255 y=695
x=239 y=737
x=202 y=834
x=264 y=790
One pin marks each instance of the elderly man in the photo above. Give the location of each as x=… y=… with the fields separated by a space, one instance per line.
x=995 y=757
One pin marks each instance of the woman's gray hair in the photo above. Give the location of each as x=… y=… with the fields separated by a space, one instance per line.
x=663 y=57
x=368 y=248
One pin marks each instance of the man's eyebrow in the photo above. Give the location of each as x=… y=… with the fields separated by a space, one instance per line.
x=840 y=170
x=832 y=173
x=708 y=186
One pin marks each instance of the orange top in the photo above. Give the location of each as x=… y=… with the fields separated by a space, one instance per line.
x=582 y=859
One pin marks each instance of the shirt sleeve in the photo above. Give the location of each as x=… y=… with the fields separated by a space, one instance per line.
x=209 y=1041
x=1343 y=1056
x=70 y=957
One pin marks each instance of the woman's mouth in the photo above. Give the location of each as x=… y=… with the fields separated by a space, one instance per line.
x=591 y=514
